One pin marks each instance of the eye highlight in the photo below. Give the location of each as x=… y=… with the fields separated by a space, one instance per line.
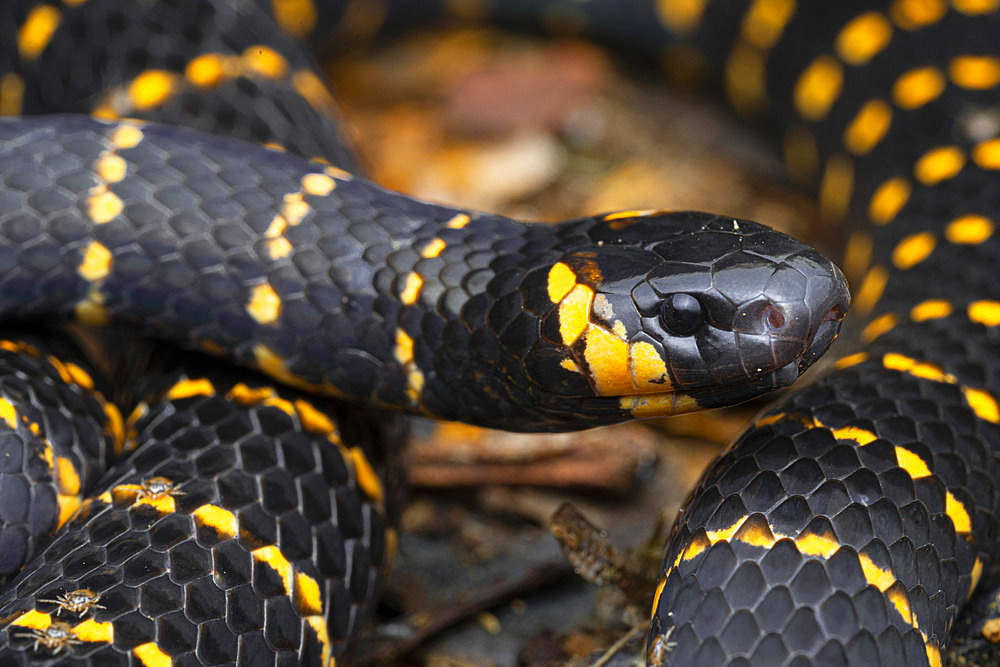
x=681 y=314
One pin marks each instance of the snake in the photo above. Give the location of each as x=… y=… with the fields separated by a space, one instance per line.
x=847 y=525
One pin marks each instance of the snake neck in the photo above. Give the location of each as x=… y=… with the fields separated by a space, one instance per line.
x=321 y=279
x=432 y=316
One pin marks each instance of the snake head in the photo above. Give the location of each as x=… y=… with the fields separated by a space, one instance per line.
x=663 y=313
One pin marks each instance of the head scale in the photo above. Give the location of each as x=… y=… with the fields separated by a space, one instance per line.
x=659 y=313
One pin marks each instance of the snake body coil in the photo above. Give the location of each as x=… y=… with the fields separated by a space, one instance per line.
x=848 y=525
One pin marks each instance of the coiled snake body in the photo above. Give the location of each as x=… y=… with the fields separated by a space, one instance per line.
x=848 y=525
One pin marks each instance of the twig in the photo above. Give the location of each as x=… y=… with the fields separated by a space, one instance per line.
x=416 y=633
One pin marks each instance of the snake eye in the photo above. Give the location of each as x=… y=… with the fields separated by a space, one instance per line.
x=681 y=314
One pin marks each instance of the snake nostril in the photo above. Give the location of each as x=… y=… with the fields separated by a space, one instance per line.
x=835 y=314
x=773 y=317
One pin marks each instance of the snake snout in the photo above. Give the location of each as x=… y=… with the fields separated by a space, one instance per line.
x=794 y=320
x=824 y=335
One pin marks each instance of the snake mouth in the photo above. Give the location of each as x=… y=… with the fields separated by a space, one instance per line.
x=680 y=401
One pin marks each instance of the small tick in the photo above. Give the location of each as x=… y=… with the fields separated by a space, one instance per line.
x=157 y=488
x=56 y=637
x=76 y=602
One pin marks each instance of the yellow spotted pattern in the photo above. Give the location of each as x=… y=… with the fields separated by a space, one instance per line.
x=889 y=198
x=755 y=531
x=917 y=87
x=818 y=87
x=414 y=376
x=125 y=135
x=294 y=208
x=836 y=187
x=913 y=249
x=152 y=89
x=96 y=263
x=680 y=15
x=982 y=403
x=155 y=87
x=561 y=281
x=87 y=630
x=851 y=360
x=222 y=521
x=872 y=286
x=264 y=62
x=932 y=309
x=879 y=326
x=11 y=94
x=102 y=204
x=969 y=229
x=366 y=476
x=318 y=185
x=135 y=494
x=939 y=164
x=209 y=70
x=264 y=305
x=33 y=619
x=302 y=588
x=37 y=30
x=975 y=72
x=868 y=127
x=627 y=216
x=607 y=358
x=190 y=388
x=765 y=22
x=151 y=655
x=8 y=413
x=68 y=486
x=744 y=74
x=296 y=18
x=94 y=631
x=857 y=255
x=985 y=312
x=271 y=363
x=458 y=222
x=314 y=420
x=632 y=370
x=433 y=249
x=574 y=313
x=275 y=243
x=987 y=154
x=411 y=288
x=974 y=7
x=863 y=37
x=916 y=14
